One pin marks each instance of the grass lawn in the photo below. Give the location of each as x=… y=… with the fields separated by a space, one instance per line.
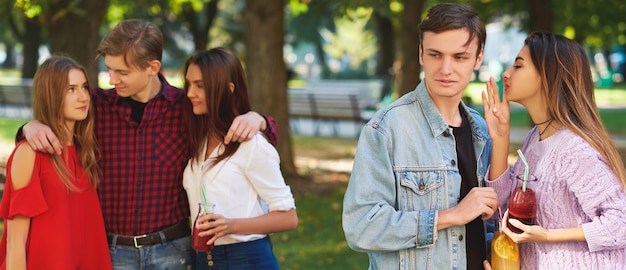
x=318 y=242
x=8 y=128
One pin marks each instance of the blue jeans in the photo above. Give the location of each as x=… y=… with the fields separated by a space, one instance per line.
x=253 y=255
x=172 y=255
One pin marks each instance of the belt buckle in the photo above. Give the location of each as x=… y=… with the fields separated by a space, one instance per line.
x=135 y=240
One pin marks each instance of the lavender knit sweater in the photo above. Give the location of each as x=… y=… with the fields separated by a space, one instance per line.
x=575 y=187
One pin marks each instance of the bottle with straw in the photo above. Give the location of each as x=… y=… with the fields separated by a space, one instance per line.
x=199 y=242
x=523 y=202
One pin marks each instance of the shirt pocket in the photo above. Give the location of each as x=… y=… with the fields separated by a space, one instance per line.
x=421 y=190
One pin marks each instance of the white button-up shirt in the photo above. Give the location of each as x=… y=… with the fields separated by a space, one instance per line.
x=247 y=184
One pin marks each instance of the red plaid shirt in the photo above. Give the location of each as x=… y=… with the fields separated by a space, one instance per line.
x=142 y=164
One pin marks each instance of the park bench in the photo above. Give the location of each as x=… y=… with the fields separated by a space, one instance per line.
x=368 y=91
x=16 y=98
x=327 y=103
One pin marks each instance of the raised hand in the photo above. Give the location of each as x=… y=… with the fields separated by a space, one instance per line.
x=497 y=113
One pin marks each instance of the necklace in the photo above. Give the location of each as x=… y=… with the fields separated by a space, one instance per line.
x=548 y=126
x=537 y=124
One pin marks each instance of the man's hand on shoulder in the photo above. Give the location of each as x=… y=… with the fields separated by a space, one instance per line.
x=41 y=138
x=244 y=127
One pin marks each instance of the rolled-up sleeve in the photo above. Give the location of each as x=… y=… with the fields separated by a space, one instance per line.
x=263 y=171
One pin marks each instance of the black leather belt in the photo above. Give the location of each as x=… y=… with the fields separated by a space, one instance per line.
x=170 y=233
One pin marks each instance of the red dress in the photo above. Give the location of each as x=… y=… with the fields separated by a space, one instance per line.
x=66 y=228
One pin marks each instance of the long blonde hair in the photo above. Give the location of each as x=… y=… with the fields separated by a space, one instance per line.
x=567 y=86
x=50 y=85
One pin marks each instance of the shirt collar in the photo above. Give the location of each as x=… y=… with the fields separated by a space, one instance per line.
x=167 y=91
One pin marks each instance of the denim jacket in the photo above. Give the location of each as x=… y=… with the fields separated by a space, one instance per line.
x=405 y=170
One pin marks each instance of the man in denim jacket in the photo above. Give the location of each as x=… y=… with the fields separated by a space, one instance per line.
x=416 y=198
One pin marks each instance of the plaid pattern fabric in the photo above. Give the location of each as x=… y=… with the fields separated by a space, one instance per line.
x=141 y=188
x=142 y=164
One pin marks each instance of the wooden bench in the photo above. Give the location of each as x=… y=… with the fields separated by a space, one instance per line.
x=16 y=98
x=368 y=91
x=329 y=102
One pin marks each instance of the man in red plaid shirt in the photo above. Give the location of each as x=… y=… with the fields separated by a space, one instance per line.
x=144 y=150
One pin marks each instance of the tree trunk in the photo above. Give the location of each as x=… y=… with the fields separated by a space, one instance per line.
x=31 y=40
x=266 y=70
x=407 y=77
x=9 y=60
x=76 y=33
x=541 y=17
x=385 y=53
x=200 y=23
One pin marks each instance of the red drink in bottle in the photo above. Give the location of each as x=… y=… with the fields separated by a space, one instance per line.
x=523 y=204
x=198 y=242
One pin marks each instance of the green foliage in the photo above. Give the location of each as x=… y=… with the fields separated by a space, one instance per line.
x=297 y=7
x=351 y=40
x=31 y=8
x=318 y=242
x=351 y=37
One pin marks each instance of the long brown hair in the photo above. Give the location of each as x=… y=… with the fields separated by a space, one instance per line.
x=50 y=85
x=567 y=86
x=219 y=68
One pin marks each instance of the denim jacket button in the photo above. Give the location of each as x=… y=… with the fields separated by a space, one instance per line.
x=453 y=162
x=421 y=187
x=460 y=237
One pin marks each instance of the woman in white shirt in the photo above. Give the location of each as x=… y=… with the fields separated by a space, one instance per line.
x=243 y=180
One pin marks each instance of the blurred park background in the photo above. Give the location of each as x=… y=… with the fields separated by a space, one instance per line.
x=364 y=47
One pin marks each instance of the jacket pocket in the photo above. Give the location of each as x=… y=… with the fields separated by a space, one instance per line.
x=421 y=190
x=421 y=183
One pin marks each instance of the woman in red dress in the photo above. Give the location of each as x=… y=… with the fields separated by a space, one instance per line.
x=50 y=206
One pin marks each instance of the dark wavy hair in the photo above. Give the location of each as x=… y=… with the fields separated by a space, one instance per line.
x=219 y=68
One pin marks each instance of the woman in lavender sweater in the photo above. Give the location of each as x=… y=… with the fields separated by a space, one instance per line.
x=581 y=203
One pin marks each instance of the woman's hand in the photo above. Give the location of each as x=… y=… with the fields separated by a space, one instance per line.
x=215 y=225
x=531 y=233
x=497 y=113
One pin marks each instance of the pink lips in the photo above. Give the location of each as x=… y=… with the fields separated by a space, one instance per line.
x=446 y=83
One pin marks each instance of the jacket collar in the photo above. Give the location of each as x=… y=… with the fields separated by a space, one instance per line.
x=436 y=123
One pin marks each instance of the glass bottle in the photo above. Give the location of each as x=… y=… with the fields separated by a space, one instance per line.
x=504 y=252
x=199 y=242
x=523 y=203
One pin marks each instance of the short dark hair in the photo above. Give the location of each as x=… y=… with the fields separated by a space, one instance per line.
x=453 y=16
